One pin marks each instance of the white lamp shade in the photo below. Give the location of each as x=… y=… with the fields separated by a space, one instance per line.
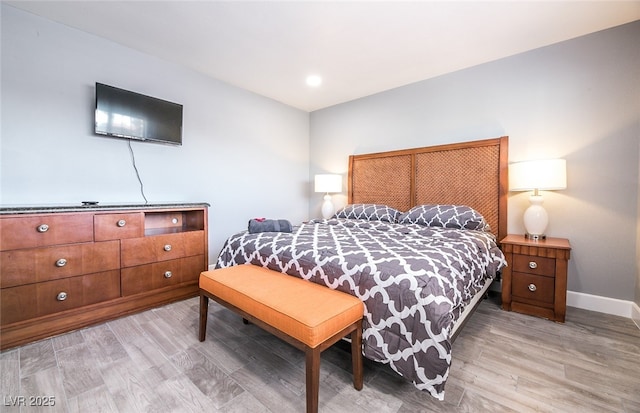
x=550 y=174
x=328 y=183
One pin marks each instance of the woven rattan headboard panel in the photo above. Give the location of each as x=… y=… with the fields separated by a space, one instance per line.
x=469 y=173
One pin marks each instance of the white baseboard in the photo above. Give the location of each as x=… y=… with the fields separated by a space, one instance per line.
x=635 y=314
x=601 y=304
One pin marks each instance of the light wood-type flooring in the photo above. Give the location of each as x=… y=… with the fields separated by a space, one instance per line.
x=153 y=362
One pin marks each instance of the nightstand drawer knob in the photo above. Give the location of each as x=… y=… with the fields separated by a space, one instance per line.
x=61 y=296
x=43 y=228
x=122 y=223
x=533 y=265
x=61 y=262
x=167 y=247
x=168 y=274
x=532 y=287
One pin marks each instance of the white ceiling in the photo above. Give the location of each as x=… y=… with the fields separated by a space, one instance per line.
x=359 y=48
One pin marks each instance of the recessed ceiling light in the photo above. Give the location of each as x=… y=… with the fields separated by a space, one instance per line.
x=314 y=80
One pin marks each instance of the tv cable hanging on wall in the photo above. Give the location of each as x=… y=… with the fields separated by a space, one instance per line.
x=133 y=162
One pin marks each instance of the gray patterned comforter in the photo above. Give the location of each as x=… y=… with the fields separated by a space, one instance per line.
x=413 y=280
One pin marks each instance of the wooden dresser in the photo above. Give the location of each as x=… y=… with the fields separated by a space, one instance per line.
x=67 y=267
x=535 y=279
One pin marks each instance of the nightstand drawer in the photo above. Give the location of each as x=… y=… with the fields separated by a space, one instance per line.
x=533 y=289
x=534 y=265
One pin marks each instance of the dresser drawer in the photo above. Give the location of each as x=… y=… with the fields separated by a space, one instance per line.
x=534 y=265
x=29 y=266
x=138 y=251
x=533 y=288
x=143 y=278
x=44 y=230
x=40 y=299
x=118 y=226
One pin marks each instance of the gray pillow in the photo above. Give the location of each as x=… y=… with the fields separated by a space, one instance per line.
x=369 y=212
x=446 y=216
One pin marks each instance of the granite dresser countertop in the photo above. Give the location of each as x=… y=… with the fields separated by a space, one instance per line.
x=90 y=206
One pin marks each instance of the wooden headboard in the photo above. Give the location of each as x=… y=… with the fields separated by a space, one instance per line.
x=469 y=173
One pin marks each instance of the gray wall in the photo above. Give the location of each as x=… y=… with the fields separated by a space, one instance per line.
x=577 y=100
x=244 y=154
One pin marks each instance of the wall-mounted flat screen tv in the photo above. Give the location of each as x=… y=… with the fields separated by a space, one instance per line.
x=124 y=114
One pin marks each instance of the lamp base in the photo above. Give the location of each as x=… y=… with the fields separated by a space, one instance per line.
x=535 y=219
x=535 y=237
x=327 y=207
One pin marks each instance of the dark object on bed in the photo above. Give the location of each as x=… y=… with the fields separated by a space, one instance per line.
x=269 y=225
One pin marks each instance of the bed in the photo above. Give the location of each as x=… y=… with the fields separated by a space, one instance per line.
x=416 y=243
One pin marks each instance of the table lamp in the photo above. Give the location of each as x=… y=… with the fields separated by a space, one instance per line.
x=547 y=175
x=328 y=183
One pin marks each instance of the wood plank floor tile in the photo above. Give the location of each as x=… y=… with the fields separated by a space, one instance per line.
x=126 y=329
x=169 y=338
x=244 y=403
x=36 y=357
x=270 y=390
x=366 y=400
x=566 y=395
x=221 y=354
x=48 y=384
x=212 y=381
x=78 y=369
x=97 y=400
x=9 y=381
x=103 y=344
x=132 y=389
x=180 y=394
x=67 y=340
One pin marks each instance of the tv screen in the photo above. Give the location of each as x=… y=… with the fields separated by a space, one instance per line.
x=124 y=114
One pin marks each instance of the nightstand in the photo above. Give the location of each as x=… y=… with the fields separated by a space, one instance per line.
x=535 y=280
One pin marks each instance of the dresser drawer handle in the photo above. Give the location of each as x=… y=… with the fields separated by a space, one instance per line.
x=61 y=296
x=61 y=262
x=532 y=287
x=167 y=247
x=122 y=223
x=168 y=274
x=533 y=265
x=43 y=228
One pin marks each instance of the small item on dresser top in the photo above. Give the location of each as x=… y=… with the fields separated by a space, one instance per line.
x=269 y=225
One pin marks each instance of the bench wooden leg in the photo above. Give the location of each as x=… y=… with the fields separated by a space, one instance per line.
x=204 y=310
x=356 y=356
x=313 y=378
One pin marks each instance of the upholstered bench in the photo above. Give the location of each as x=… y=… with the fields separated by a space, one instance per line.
x=308 y=316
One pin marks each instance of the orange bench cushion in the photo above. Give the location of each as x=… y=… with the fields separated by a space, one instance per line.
x=306 y=311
